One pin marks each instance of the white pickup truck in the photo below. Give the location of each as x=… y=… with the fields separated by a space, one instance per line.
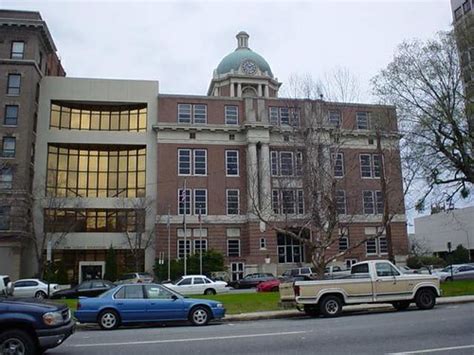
x=377 y=281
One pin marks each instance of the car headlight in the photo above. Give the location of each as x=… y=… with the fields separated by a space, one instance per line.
x=52 y=318
x=219 y=305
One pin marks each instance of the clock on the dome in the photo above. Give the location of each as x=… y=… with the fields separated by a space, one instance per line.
x=249 y=67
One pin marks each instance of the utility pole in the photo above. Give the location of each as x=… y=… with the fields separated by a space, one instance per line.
x=169 y=244
x=185 y=198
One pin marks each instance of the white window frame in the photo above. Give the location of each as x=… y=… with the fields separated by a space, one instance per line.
x=370 y=169
x=287 y=115
x=292 y=163
x=228 y=244
x=338 y=157
x=380 y=245
x=6 y=178
x=364 y=192
x=276 y=206
x=274 y=163
x=378 y=203
x=350 y=262
x=204 y=243
x=194 y=162
x=227 y=201
x=227 y=163
x=195 y=202
x=187 y=205
x=231 y=116
x=14 y=54
x=183 y=247
x=331 y=119
x=190 y=161
x=367 y=116
x=284 y=207
x=195 y=114
x=180 y=119
x=274 y=115
x=300 y=206
x=343 y=195
x=299 y=164
x=344 y=238
x=263 y=243
x=367 y=247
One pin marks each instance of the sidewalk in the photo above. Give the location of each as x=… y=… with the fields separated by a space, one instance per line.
x=356 y=308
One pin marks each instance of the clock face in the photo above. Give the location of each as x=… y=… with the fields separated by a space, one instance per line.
x=249 y=67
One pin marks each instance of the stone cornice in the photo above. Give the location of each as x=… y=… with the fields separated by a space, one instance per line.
x=32 y=24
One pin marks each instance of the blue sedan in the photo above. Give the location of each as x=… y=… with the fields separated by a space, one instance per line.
x=141 y=303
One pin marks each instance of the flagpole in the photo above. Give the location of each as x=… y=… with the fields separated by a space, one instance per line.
x=200 y=243
x=185 y=233
x=169 y=245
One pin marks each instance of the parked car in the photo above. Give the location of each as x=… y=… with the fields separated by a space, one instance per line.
x=273 y=285
x=197 y=285
x=33 y=288
x=297 y=271
x=460 y=272
x=143 y=303
x=251 y=280
x=91 y=288
x=134 y=277
x=6 y=286
x=30 y=326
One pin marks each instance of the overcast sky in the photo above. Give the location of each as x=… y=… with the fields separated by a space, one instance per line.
x=180 y=43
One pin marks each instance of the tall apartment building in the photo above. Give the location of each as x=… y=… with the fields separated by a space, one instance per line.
x=27 y=55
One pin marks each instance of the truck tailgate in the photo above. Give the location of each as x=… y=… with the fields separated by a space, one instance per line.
x=287 y=293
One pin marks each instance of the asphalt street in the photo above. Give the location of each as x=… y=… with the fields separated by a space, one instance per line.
x=446 y=329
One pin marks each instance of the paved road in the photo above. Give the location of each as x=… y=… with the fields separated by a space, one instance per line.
x=447 y=329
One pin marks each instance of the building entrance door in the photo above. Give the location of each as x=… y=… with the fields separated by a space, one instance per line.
x=237 y=270
x=91 y=270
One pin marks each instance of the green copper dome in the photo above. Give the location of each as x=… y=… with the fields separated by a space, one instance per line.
x=234 y=60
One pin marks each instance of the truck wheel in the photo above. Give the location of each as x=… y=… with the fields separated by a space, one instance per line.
x=17 y=342
x=330 y=306
x=401 y=305
x=311 y=310
x=425 y=299
x=109 y=319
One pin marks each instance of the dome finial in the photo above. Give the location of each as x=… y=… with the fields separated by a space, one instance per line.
x=242 y=40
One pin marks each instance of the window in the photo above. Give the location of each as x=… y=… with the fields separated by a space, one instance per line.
x=274 y=115
x=4 y=217
x=276 y=201
x=288 y=201
x=231 y=115
x=299 y=164
x=284 y=116
x=341 y=202
x=232 y=162
x=6 y=178
x=198 y=247
x=200 y=202
x=370 y=165
x=383 y=246
x=350 y=262
x=232 y=202
x=368 y=202
x=11 y=115
x=385 y=269
x=458 y=13
x=335 y=119
x=188 y=113
x=13 y=87
x=18 y=50
x=371 y=247
x=466 y=6
x=8 y=147
x=130 y=292
x=233 y=247
x=289 y=250
x=286 y=163
x=338 y=160
x=360 y=269
x=157 y=292
x=362 y=119
x=184 y=201
x=300 y=201
x=181 y=248
x=200 y=161
x=274 y=163
x=343 y=243
x=263 y=243
x=184 y=161
x=379 y=205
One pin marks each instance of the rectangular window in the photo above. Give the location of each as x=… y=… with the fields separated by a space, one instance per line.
x=362 y=119
x=6 y=178
x=286 y=163
x=371 y=247
x=335 y=119
x=276 y=201
x=458 y=13
x=200 y=114
x=379 y=202
x=184 y=161
x=338 y=160
x=263 y=243
x=8 y=147
x=4 y=217
x=383 y=246
x=200 y=245
x=200 y=202
x=273 y=115
x=295 y=117
x=231 y=115
x=343 y=243
x=200 y=162
x=299 y=164
x=232 y=162
x=184 y=113
x=288 y=201
x=300 y=197
x=18 y=50
x=232 y=202
x=181 y=248
x=284 y=116
x=466 y=6
x=184 y=201
x=365 y=165
x=274 y=163
x=377 y=165
x=289 y=250
x=233 y=247
x=350 y=262
x=14 y=82
x=368 y=201
x=341 y=202
x=11 y=115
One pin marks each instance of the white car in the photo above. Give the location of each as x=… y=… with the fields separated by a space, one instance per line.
x=197 y=285
x=33 y=288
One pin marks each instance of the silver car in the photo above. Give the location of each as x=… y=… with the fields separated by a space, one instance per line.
x=33 y=288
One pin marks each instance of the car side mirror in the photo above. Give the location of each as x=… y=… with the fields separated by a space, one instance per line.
x=174 y=297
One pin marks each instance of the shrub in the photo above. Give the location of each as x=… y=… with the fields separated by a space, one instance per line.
x=416 y=262
x=111 y=265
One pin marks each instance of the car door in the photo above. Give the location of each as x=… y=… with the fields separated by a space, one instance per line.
x=388 y=285
x=185 y=286
x=162 y=304
x=84 y=289
x=131 y=303
x=464 y=273
x=199 y=285
x=20 y=289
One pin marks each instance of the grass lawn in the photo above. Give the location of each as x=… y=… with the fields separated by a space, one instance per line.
x=236 y=303
x=458 y=288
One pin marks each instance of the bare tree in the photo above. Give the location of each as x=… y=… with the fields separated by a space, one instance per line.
x=424 y=82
